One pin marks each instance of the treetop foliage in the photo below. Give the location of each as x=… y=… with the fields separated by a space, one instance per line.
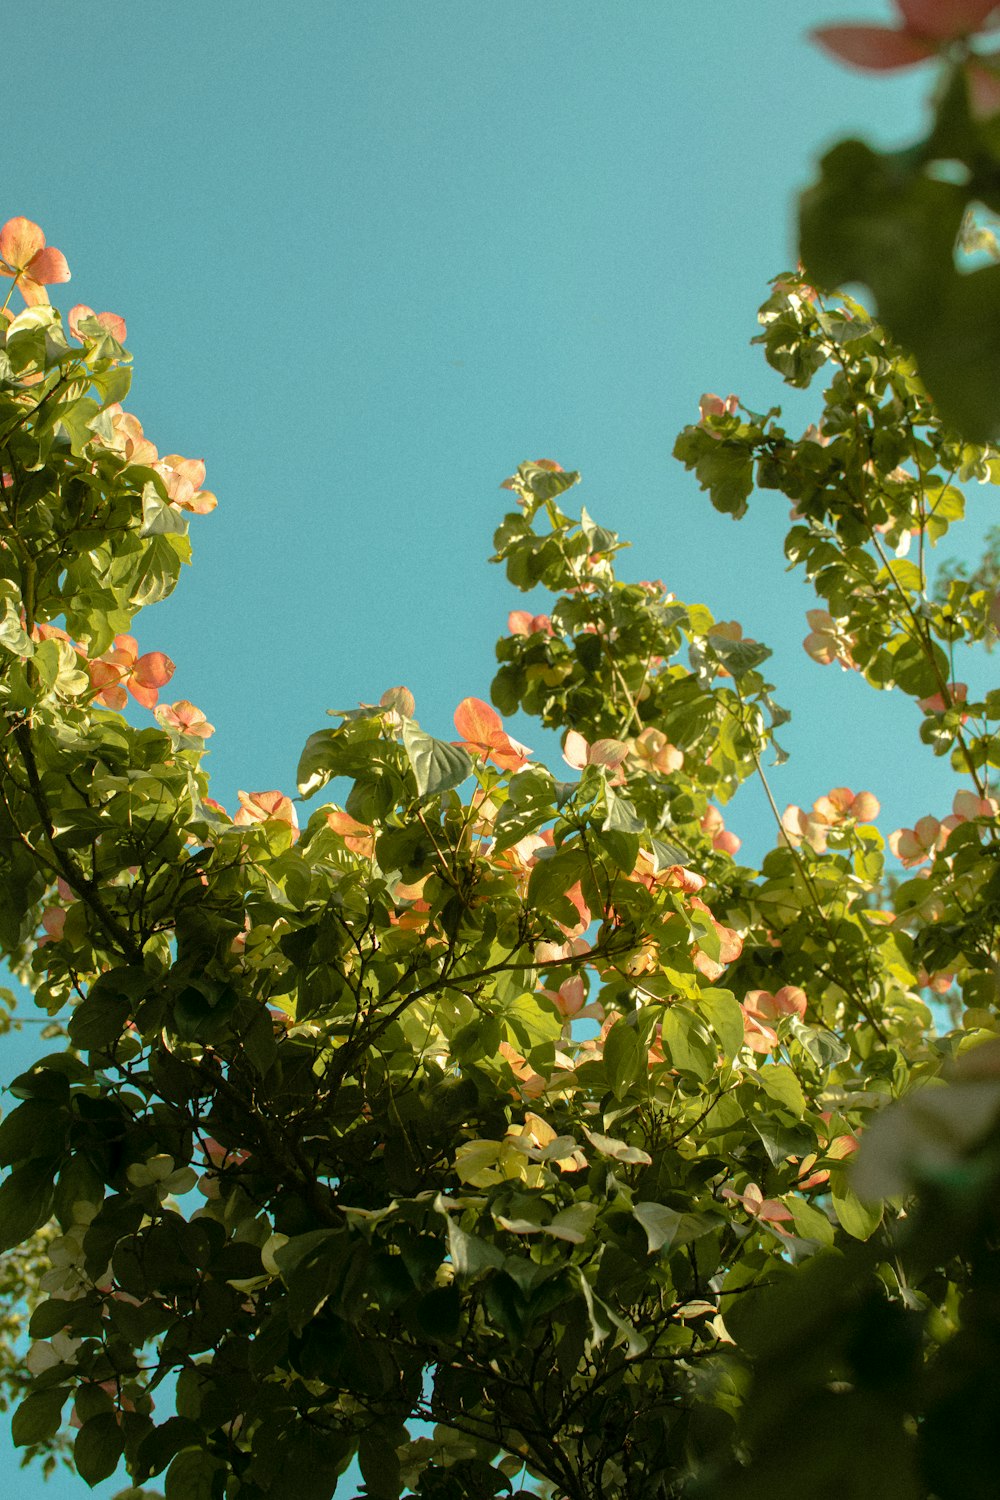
x=457 y=1089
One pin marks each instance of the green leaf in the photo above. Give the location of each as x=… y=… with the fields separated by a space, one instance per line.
x=660 y=1223
x=35 y=1128
x=824 y=1047
x=98 y=1021
x=883 y=221
x=723 y=467
x=617 y=1150
x=810 y=1223
x=621 y=816
x=722 y=1012
x=438 y=1313
x=99 y=1445
x=779 y=1142
x=475 y=1162
x=159 y=517
x=687 y=1043
x=37 y=1418
x=470 y=1255
x=437 y=766
x=623 y=1057
x=379 y=1466
x=530 y=803
x=860 y=1220
x=191 y=1475
x=604 y=1321
x=551 y=877
x=25 y=1201
x=781 y=1084
x=572 y=1224
x=738 y=657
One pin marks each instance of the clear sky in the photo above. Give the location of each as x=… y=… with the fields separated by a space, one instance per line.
x=372 y=254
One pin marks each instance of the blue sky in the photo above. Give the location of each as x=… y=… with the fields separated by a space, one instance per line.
x=371 y=256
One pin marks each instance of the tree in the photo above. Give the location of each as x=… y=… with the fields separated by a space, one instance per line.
x=331 y=1146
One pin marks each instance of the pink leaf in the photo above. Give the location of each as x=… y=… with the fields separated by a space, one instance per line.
x=943 y=19
x=608 y=753
x=20 y=241
x=191 y=469
x=791 y=1001
x=202 y=502
x=111 y=321
x=865 y=807
x=575 y=750
x=399 y=700
x=877 y=49
x=48 y=266
x=984 y=87
x=184 y=717
x=262 y=807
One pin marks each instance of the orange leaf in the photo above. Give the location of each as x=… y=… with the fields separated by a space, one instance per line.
x=154 y=670
x=477 y=722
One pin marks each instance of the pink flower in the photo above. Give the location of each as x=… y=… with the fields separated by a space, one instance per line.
x=570 y=997
x=184 y=478
x=358 y=837
x=129 y=439
x=532 y=1084
x=31 y=263
x=53 y=922
x=797 y=826
x=680 y=878
x=967 y=805
x=940 y=982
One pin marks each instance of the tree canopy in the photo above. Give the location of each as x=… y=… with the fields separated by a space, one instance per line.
x=489 y=1123
x=502 y=1099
